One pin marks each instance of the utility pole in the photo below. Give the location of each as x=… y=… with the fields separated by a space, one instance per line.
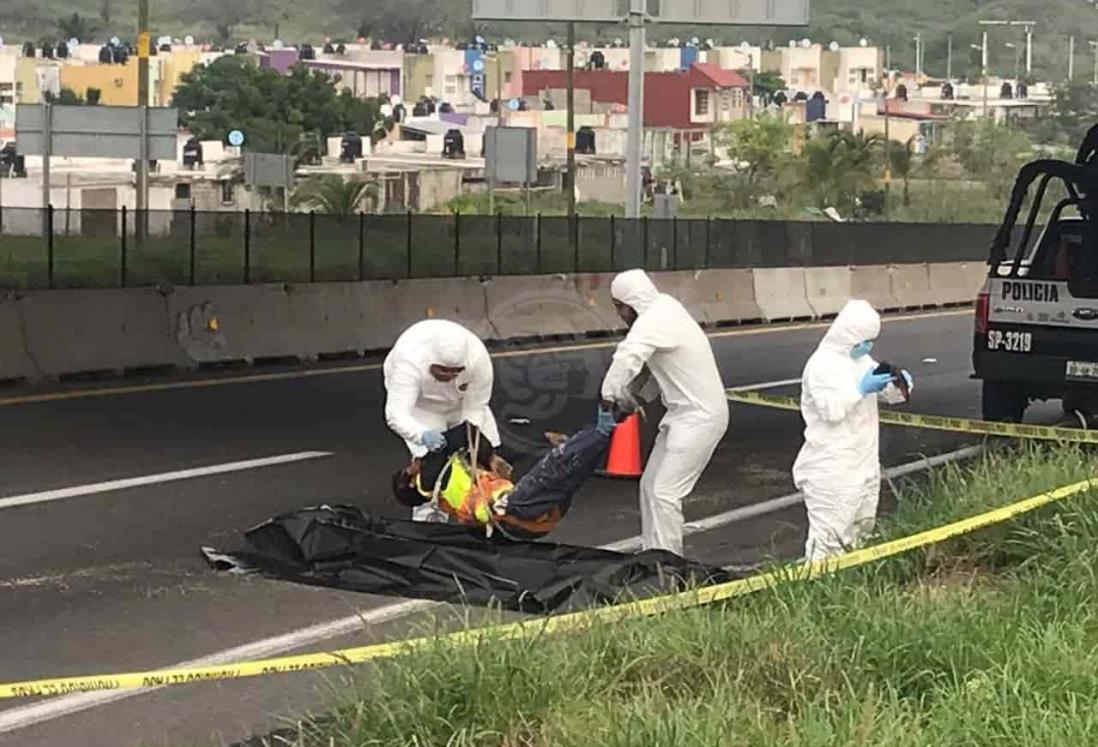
x=571 y=136
x=750 y=86
x=1071 y=58
x=143 y=42
x=1094 y=46
x=1029 y=50
x=918 y=56
x=949 y=57
x=983 y=66
x=637 y=11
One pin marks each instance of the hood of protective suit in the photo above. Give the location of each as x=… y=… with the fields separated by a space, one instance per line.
x=858 y=321
x=634 y=289
x=451 y=351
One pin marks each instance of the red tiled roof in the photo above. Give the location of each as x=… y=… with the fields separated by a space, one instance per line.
x=721 y=78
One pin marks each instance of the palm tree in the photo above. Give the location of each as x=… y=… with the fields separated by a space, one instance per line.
x=839 y=166
x=331 y=194
x=901 y=159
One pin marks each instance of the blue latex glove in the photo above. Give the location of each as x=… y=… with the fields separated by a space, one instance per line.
x=433 y=440
x=873 y=383
x=606 y=422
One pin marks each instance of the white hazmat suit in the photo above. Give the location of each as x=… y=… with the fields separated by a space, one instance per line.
x=667 y=340
x=417 y=402
x=838 y=468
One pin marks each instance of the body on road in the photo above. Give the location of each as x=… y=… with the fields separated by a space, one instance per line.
x=666 y=343
x=438 y=374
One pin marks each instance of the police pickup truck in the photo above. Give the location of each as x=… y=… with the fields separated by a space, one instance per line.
x=1036 y=331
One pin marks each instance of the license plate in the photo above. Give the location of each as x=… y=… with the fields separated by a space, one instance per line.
x=1011 y=342
x=1082 y=370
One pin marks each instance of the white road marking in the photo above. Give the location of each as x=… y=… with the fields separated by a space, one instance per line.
x=20 y=718
x=767 y=385
x=134 y=482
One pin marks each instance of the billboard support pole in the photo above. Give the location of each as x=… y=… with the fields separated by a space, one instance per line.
x=635 y=135
x=47 y=129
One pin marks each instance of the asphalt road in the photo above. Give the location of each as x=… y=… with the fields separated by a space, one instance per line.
x=112 y=580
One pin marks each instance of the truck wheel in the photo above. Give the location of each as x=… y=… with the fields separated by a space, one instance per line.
x=1003 y=402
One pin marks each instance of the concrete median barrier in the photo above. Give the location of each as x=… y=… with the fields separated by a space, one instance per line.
x=541 y=307
x=594 y=292
x=461 y=300
x=15 y=362
x=873 y=283
x=781 y=293
x=71 y=332
x=911 y=286
x=954 y=283
x=53 y=333
x=721 y=297
x=827 y=289
x=238 y=323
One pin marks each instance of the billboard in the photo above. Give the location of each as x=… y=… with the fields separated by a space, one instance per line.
x=605 y=11
x=96 y=131
x=716 y=12
x=511 y=154
x=735 y=12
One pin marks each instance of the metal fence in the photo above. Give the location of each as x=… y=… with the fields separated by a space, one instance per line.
x=47 y=248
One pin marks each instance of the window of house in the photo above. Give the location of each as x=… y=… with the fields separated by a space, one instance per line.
x=701 y=103
x=183 y=191
x=429 y=81
x=507 y=77
x=228 y=194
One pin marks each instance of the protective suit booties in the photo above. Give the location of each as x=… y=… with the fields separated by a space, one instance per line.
x=664 y=339
x=438 y=374
x=838 y=468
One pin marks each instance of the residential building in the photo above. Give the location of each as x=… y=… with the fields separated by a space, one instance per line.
x=117 y=83
x=362 y=79
x=692 y=99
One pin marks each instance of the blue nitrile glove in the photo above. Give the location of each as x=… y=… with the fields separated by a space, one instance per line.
x=433 y=440
x=873 y=383
x=606 y=421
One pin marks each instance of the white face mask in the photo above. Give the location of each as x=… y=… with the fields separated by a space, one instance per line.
x=861 y=349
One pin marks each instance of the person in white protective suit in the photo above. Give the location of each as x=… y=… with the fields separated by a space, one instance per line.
x=437 y=375
x=664 y=338
x=838 y=468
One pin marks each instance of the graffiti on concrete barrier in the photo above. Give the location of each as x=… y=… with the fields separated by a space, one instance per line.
x=198 y=331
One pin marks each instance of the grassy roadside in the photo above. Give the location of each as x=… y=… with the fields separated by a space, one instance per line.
x=986 y=640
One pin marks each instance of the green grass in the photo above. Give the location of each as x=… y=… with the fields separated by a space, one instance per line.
x=990 y=639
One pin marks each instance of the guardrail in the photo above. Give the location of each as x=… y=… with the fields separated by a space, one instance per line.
x=59 y=249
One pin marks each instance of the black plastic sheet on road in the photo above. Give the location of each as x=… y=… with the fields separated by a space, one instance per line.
x=343 y=547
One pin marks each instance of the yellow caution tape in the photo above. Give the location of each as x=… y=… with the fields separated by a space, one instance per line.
x=560 y=623
x=936 y=422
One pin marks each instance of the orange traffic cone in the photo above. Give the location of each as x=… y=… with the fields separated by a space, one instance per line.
x=624 y=459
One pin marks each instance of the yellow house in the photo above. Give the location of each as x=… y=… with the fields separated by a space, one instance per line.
x=117 y=83
x=174 y=65
x=419 y=76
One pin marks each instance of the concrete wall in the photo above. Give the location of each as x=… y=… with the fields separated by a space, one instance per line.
x=56 y=333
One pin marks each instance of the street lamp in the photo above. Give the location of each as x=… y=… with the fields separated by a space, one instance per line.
x=1028 y=27
x=1094 y=46
x=983 y=67
x=1017 y=59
